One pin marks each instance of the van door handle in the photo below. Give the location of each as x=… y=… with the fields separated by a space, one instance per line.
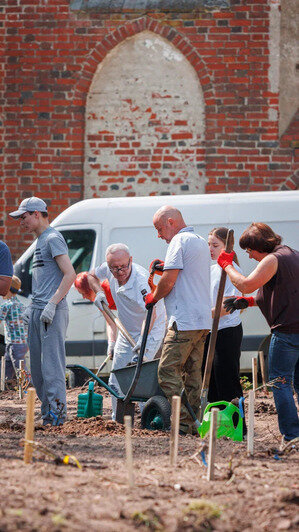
x=82 y=302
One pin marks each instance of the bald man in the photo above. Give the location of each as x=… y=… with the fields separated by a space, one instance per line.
x=185 y=287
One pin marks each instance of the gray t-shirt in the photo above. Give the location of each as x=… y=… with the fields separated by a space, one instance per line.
x=46 y=274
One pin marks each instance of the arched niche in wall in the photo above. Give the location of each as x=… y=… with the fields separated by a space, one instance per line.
x=145 y=122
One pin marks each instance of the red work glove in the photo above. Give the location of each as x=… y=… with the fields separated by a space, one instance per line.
x=225 y=259
x=237 y=303
x=149 y=301
x=82 y=285
x=106 y=287
x=157 y=266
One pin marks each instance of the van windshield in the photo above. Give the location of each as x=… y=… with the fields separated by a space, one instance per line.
x=80 y=244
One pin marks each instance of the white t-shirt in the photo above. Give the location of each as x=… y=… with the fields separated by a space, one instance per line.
x=189 y=303
x=130 y=303
x=230 y=320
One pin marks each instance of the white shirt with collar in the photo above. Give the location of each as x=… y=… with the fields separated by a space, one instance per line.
x=130 y=303
x=189 y=302
x=228 y=320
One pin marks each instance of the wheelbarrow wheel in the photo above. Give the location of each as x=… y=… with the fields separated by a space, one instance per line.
x=156 y=414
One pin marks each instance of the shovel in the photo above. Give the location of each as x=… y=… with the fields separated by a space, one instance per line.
x=212 y=343
x=106 y=310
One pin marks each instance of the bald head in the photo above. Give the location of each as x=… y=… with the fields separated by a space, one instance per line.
x=168 y=221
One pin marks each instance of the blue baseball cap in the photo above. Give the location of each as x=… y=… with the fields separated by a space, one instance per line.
x=30 y=205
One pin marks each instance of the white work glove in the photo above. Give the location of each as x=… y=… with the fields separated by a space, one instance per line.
x=48 y=313
x=110 y=349
x=26 y=315
x=100 y=298
x=136 y=349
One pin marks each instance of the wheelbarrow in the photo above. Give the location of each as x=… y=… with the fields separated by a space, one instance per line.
x=138 y=383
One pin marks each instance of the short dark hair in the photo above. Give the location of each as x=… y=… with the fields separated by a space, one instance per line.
x=44 y=214
x=259 y=237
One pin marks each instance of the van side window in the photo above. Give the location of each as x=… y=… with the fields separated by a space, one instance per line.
x=80 y=244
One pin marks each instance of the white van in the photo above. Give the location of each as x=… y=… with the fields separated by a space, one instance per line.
x=91 y=225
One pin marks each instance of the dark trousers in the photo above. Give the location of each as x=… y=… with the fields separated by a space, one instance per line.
x=225 y=377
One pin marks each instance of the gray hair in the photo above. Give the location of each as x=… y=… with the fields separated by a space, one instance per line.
x=117 y=247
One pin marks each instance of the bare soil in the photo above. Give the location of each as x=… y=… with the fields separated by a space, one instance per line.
x=249 y=493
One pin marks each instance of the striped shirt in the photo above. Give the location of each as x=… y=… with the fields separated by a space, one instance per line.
x=15 y=330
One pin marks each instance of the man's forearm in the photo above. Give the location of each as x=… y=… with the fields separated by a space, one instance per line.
x=163 y=289
x=63 y=288
x=4 y=285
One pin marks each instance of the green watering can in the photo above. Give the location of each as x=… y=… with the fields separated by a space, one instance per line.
x=90 y=404
x=230 y=420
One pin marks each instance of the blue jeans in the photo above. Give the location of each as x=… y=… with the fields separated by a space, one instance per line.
x=284 y=362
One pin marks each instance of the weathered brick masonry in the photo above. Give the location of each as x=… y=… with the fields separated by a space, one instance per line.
x=211 y=125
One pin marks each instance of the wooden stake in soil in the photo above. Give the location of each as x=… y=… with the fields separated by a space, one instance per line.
x=250 y=433
x=175 y=424
x=263 y=370
x=129 y=452
x=29 y=429
x=254 y=373
x=2 y=374
x=212 y=443
x=20 y=378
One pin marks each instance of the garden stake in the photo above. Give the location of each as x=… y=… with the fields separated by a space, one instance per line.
x=263 y=370
x=129 y=452
x=2 y=374
x=174 y=433
x=212 y=444
x=254 y=373
x=29 y=428
x=20 y=378
x=250 y=434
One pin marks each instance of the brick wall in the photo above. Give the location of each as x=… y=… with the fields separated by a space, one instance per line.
x=51 y=58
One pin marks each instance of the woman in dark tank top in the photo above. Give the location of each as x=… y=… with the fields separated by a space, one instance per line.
x=277 y=280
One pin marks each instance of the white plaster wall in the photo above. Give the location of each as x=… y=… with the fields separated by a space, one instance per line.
x=289 y=57
x=144 y=100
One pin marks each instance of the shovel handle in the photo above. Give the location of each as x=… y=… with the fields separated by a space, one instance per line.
x=213 y=337
x=118 y=324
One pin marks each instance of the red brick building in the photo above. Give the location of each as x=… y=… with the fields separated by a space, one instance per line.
x=123 y=97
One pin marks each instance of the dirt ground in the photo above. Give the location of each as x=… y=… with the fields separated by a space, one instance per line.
x=258 y=493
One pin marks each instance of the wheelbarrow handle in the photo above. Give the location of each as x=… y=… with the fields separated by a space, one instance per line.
x=140 y=356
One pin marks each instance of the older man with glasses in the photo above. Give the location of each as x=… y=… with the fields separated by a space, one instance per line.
x=129 y=285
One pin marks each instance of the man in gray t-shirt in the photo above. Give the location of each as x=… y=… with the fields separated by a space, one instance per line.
x=52 y=277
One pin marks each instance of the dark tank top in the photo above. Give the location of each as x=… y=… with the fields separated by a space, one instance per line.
x=278 y=299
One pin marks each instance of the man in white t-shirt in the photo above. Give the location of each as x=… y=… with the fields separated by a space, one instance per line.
x=185 y=287
x=129 y=285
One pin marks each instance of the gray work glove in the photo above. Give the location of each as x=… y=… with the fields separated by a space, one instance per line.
x=48 y=313
x=110 y=349
x=100 y=298
x=26 y=315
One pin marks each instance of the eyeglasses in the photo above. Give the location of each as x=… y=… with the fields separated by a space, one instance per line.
x=120 y=268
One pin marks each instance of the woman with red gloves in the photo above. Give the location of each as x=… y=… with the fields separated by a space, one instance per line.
x=277 y=280
x=225 y=377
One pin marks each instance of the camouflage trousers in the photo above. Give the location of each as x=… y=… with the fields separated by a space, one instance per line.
x=180 y=367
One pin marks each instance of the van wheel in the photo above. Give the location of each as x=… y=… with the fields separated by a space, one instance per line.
x=264 y=347
x=156 y=414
